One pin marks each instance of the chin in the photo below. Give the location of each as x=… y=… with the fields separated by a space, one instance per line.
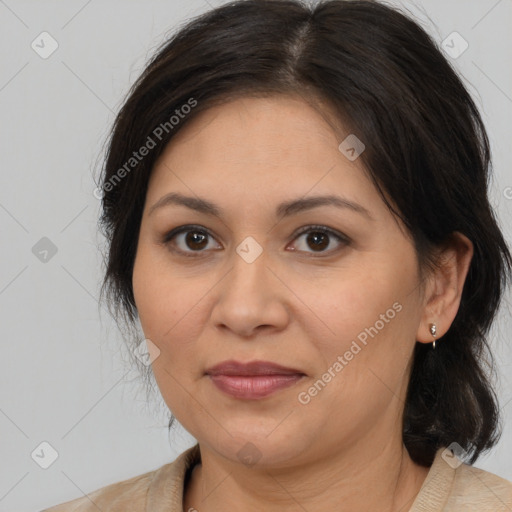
x=257 y=449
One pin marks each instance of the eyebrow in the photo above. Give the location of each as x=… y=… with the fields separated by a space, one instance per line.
x=285 y=209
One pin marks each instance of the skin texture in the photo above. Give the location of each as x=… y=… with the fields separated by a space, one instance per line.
x=296 y=304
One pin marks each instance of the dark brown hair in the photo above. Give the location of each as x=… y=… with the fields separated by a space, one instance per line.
x=427 y=152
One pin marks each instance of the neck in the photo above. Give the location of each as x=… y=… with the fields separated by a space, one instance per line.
x=367 y=476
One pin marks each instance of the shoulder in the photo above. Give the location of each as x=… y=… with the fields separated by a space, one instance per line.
x=480 y=490
x=127 y=495
x=453 y=486
x=146 y=491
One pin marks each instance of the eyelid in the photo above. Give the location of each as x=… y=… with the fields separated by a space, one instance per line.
x=340 y=237
x=319 y=227
x=169 y=236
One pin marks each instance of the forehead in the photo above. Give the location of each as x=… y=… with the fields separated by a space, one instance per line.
x=253 y=134
x=257 y=150
x=267 y=126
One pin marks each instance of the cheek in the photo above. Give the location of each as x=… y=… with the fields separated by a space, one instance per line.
x=169 y=305
x=159 y=297
x=369 y=318
x=364 y=363
x=345 y=304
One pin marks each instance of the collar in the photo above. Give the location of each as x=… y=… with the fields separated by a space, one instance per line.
x=165 y=492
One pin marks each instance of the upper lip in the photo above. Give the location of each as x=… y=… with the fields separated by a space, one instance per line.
x=251 y=368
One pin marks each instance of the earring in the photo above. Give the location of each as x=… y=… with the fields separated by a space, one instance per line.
x=433 y=331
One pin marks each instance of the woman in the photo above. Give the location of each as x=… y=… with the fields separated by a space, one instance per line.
x=296 y=209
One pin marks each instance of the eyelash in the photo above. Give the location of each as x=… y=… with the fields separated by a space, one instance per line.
x=168 y=237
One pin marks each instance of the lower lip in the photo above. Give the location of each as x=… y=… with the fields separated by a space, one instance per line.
x=255 y=386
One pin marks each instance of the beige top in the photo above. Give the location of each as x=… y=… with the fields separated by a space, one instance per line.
x=446 y=489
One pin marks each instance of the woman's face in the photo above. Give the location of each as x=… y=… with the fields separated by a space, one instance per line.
x=244 y=285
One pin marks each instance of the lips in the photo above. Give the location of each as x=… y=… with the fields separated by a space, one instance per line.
x=252 y=368
x=254 y=387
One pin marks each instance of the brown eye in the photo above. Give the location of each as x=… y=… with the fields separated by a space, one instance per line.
x=187 y=240
x=319 y=238
x=195 y=240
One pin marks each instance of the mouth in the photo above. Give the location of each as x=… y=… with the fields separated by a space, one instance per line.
x=254 y=380
x=251 y=369
x=253 y=387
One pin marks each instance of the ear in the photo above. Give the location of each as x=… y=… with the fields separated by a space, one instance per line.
x=444 y=290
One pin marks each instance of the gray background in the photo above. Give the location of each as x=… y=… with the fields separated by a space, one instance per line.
x=65 y=378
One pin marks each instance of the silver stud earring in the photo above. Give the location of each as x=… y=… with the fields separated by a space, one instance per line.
x=433 y=331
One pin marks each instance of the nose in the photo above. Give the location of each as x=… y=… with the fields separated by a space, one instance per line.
x=250 y=299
